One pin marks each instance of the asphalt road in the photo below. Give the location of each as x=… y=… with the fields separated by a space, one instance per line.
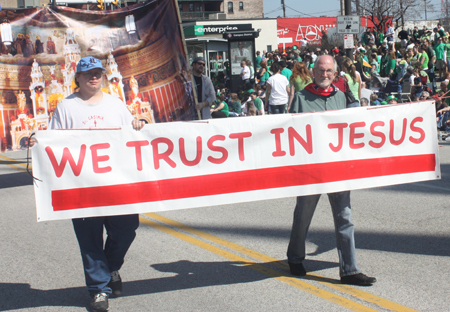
x=233 y=257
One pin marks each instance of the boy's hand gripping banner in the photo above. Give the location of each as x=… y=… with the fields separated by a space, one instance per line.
x=170 y=166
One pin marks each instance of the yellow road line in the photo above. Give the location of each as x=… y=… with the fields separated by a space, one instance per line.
x=384 y=303
x=16 y=164
x=349 y=304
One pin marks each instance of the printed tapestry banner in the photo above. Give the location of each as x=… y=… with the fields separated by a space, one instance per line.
x=140 y=46
x=167 y=166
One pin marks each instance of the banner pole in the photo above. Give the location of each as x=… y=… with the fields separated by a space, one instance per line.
x=180 y=25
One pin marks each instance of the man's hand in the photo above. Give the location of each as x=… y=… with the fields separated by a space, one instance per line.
x=138 y=124
x=200 y=105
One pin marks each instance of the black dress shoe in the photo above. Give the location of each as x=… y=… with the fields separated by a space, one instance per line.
x=359 y=279
x=297 y=269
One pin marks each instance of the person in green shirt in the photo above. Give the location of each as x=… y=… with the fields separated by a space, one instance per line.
x=447 y=49
x=220 y=110
x=258 y=60
x=423 y=57
x=439 y=48
x=258 y=104
x=383 y=62
x=286 y=72
x=235 y=107
x=297 y=56
x=391 y=65
x=300 y=78
x=263 y=73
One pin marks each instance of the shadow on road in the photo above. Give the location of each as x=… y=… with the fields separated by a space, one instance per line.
x=22 y=296
x=15 y=179
x=188 y=275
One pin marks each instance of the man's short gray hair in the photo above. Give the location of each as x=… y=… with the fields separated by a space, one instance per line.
x=324 y=55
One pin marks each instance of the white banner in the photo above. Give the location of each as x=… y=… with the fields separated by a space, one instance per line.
x=195 y=164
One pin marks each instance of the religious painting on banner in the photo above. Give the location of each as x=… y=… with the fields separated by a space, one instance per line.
x=140 y=46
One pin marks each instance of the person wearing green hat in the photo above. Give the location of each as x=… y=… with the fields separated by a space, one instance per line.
x=391 y=99
x=383 y=103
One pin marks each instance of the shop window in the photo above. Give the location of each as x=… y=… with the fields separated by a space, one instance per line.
x=180 y=6
x=230 y=7
x=191 y=7
x=241 y=6
x=199 y=8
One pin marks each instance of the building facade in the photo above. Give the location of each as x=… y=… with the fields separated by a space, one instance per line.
x=220 y=9
x=22 y=4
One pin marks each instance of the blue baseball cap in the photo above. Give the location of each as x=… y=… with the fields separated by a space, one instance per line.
x=88 y=63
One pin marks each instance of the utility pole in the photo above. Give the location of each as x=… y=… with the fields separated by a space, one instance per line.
x=425 y=1
x=446 y=12
x=348 y=11
x=284 y=8
x=342 y=7
x=401 y=12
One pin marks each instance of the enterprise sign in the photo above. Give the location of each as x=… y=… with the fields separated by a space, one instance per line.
x=201 y=30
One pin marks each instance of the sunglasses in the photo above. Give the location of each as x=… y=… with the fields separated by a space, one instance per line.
x=91 y=74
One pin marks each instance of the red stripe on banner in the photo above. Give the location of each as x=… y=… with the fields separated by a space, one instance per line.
x=240 y=181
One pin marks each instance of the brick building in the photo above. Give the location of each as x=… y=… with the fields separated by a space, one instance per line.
x=22 y=4
x=220 y=9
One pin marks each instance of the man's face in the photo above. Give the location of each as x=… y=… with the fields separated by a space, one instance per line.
x=90 y=80
x=240 y=45
x=324 y=72
x=198 y=67
x=393 y=101
x=242 y=64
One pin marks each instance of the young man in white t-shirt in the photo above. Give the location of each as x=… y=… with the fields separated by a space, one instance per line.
x=90 y=108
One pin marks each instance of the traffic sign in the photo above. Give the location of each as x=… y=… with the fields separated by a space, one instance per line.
x=348 y=41
x=347 y=24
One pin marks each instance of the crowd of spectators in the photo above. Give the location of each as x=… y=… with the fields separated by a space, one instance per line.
x=381 y=71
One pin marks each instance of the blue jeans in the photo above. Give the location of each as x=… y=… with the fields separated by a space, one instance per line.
x=344 y=229
x=441 y=124
x=278 y=109
x=99 y=261
x=430 y=73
